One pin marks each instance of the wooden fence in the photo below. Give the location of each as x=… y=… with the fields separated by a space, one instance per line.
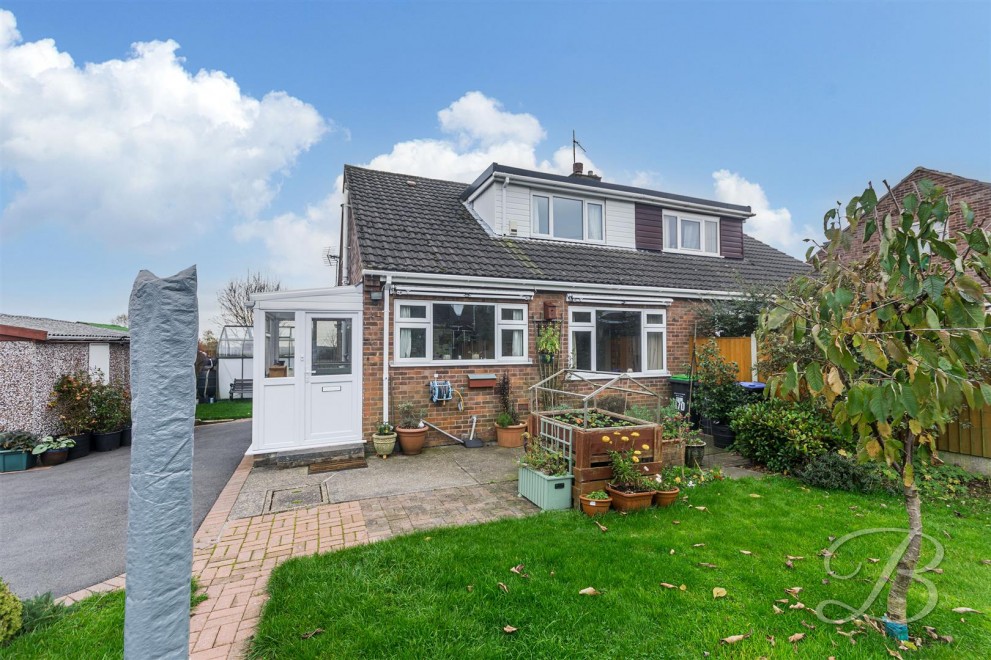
x=971 y=435
x=734 y=349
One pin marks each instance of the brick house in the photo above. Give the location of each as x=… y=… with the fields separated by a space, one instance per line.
x=447 y=280
x=35 y=352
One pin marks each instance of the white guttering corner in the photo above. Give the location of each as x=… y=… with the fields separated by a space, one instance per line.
x=385 y=349
x=618 y=194
x=545 y=285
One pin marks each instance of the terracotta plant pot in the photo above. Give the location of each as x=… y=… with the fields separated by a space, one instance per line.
x=623 y=502
x=385 y=444
x=411 y=440
x=510 y=436
x=593 y=508
x=54 y=457
x=666 y=497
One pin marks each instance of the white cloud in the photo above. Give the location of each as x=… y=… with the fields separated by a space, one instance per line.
x=773 y=226
x=138 y=151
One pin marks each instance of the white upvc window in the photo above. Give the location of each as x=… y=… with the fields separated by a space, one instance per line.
x=441 y=331
x=618 y=340
x=693 y=234
x=568 y=218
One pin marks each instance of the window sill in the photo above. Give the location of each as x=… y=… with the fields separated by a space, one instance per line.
x=460 y=363
x=694 y=253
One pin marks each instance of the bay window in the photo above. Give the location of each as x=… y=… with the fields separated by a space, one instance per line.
x=568 y=218
x=618 y=340
x=690 y=233
x=439 y=331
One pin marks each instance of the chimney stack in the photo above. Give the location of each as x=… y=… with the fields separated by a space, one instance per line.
x=576 y=169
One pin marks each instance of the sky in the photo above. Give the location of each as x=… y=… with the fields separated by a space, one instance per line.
x=156 y=135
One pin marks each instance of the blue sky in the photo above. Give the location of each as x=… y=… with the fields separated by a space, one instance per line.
x=122 y=160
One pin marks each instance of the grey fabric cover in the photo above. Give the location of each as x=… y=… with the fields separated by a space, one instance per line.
x=164 y=324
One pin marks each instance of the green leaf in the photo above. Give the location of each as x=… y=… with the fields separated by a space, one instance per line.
x=872 y=351
x=799 y=329
x=933 y=286
x=910 y=202
x=967 y=213
x=776 y=317
x=970 y=289
x=986 y=393
x=791 y=378
x=844 y=297
x=813 y=377
x=977 y=239
x=870 y=228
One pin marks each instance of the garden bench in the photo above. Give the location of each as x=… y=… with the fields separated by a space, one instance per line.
x=241 y=386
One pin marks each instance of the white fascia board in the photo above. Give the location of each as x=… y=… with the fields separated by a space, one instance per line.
x=608 y=193
x=301 y=295
x=543 y=285
x=507 y=294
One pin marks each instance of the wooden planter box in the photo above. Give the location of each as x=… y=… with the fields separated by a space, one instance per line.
x=549 y=493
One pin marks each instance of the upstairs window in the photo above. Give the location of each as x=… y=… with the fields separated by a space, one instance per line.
x=568 y=218
x=690 y=233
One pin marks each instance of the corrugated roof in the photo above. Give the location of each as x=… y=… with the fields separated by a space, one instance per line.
x=419 y=225
x=64 y=330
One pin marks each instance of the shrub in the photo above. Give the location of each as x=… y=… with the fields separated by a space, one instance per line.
x=783 y=435
x=717 y=394
x=71 y=400
x=18 y=440
x=39 y=612
x=10 y=613
x=507 y=404
x=639 y=411
x=834 y=471
x=109 y=407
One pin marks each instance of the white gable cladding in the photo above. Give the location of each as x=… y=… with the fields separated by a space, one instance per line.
x=503 y=216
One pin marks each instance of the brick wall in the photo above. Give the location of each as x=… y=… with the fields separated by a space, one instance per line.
x=409 y=383
x=976 y=193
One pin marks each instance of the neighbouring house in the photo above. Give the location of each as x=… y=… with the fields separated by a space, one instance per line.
x=35 y=352
x=441 y=280
x=967 y=443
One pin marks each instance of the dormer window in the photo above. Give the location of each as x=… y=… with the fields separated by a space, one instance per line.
x=693 y=234
x=568 y=218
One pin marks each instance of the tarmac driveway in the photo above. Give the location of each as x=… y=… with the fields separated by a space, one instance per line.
x=65 y=528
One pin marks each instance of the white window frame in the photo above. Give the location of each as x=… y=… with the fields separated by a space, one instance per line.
x=702 y=220
x=428 y=324
x=645 y=329
x=550 y=217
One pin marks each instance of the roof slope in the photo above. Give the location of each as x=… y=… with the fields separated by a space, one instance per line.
x=418 y=225
x=64 y=330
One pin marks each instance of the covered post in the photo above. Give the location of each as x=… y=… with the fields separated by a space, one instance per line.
x=164 y=325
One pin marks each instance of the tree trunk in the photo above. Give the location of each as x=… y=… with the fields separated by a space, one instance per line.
x=898 y=595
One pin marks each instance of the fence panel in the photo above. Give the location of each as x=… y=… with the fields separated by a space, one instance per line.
x=971 y=435
x=733 y=349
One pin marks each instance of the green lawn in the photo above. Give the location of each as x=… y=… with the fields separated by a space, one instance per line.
x=437 y=593
x=236 y=409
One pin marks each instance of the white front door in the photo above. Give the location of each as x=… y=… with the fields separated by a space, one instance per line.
x=332 y=379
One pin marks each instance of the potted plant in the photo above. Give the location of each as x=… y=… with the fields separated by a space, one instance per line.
x=410 y=427
x=15 y=450
x=509 y=430
x=676 y=425
x=548 y=343
x=106 y=404
x=70 y=398
x=595 y=503
x=544 y=477
x=666 y=491
x=630 y=488
x=53 y=451
x=384 y=439
x=694 y=448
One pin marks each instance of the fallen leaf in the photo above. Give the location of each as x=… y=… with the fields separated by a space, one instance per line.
x=602 y=528
x=789 y=564
x=947 y=534
x=873 y=560
x=518 y=569
x=668 y=585
x=718 y=592
x=672 y=551
x=986 y=562
x=808 y=625
x=745 y=552
x=797 y=637
x=427 y=538
x=931 y=632
x=504 y=587
x=946 y=638
x=552 y=573
x=509 y=630
x=699 y=545
x=893 y=654
x=781 y=600
x=797 y=606
x=471 y=588
x=938 y=571
x=733 y=639
x=707 y=565
x=825 y=580
x=770 y=638
x=831 y=538
x=777 y=610
x=907 y=646
x=754 y=495
x=675 y=522
x=590 y=591
x=683 y=588
x=825 y=553
x=701 y=508
x=966 y=610
x=793 y=557
x=312 y=633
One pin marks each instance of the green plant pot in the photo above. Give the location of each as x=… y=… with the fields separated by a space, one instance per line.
x=12 y=460
x=549 y=493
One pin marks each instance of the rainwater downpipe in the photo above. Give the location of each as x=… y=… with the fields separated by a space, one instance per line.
x=385 y=349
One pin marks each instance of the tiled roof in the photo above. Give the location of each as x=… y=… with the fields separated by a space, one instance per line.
x=64 y=330
x=418 y=225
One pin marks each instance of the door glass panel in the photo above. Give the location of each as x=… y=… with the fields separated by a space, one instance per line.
x=330 y=353
x=280 y=347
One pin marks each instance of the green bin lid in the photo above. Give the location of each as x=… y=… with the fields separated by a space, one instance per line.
x=682 y=378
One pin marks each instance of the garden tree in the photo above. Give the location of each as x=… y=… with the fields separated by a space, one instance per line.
x=120 y=319
x=208 y=343
x=736 y=317
x=902 y=338
x=233 y=298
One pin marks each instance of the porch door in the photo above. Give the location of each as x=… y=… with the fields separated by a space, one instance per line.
x=331 y=380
